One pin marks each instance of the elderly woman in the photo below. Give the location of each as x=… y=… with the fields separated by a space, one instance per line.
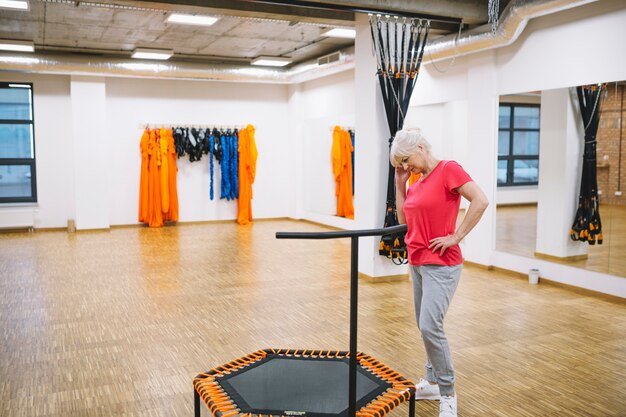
x=429 y=208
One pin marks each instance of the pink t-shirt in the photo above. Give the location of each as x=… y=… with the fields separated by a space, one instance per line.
x=431 y=209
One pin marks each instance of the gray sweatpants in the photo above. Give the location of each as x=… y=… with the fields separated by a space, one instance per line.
x=433 y=288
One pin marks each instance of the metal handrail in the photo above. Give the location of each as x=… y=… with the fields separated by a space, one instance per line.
x=399 y=229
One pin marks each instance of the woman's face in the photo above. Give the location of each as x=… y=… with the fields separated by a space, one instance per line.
x=417 y=162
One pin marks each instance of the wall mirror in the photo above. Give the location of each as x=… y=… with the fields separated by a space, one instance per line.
x=540 y=151
x=318 y=176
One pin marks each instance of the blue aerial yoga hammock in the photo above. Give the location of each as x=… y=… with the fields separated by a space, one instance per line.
x=225 y=184
x=235 y=176
x=211 y=150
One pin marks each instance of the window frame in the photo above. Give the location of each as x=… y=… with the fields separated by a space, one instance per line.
x=31 y=162
x=511 y=157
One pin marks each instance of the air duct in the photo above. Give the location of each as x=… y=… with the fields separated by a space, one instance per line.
x=108 y=67
x=512 y=23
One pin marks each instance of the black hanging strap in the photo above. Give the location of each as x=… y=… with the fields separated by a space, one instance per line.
x=398 y=59
x=587 y=226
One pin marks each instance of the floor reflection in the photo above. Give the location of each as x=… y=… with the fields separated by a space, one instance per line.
x=516 y=233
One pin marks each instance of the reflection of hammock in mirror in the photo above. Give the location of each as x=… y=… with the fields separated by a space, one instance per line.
x=398 y=46
x=587 y=225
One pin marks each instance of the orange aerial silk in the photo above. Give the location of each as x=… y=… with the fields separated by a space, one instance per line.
x=164 y=158
x=342 y=169
x=248 y=155
x=172 y=213
x=143 y=182
x=414 y=177
x=158 y=198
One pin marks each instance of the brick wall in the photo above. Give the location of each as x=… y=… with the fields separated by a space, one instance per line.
x=610 y=176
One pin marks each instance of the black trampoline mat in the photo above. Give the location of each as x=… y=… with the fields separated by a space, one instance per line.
x=298 y=386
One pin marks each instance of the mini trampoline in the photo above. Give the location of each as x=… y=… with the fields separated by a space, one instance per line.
x=313 y=383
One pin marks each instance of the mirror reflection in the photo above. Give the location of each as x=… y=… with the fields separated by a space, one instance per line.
x=540 y=152
x=328 y=169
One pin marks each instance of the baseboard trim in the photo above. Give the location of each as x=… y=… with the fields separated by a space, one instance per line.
x=382 y=279
x=560 y=258
x=548 y=282
x=479 y=266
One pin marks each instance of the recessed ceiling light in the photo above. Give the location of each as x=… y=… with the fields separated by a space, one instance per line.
x=340 y=33
x=271 y=61
x=191 y=19
x=18 y=46
x=14 y=4
x=148 y=53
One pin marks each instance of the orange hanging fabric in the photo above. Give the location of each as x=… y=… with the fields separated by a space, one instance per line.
x=172 y=213
x=164 y=174
x=158 y=196
x=155 y=215
x=413 y=178
x=143 y=182
x=248 y=155
x=342 y=169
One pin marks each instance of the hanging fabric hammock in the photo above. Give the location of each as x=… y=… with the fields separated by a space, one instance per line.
x=398 y=45
x=587 y=225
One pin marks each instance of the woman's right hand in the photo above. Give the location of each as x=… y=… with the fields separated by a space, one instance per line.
x=402 y=175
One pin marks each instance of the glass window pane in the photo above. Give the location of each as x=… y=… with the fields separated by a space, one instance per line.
x=15 y=181
x=502 y=168
x=503 y=142
x=526 y=118
x=525 y=170
x=504 y=117
x=526 y=143
x=15 y=104
x=15 y=141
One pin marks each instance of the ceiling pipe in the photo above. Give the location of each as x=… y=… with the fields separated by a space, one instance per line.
x=109 y=67
x=335 y=6
x=512 y=23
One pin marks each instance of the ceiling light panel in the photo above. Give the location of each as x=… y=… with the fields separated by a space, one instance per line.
x=147 y=53
x=271 y=61
x=190 y=19
x=340 y=33
x=16 y=46
x=14 y=4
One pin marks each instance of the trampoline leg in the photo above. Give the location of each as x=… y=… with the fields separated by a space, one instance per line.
x=196 y=403
x=412 y=404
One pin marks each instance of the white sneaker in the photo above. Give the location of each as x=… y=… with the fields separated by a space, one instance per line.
x=424 y=390
x=447 y=406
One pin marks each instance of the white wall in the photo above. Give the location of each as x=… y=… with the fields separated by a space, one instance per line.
x=132 y=103
x=548 y=55
x=516 y=195
x=93 y=158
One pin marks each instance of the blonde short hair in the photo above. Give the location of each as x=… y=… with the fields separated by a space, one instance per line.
x=405 y=144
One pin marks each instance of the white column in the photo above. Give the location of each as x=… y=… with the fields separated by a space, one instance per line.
x=92 y=161
x=560 y=156
x=371 y=155
x=481 y=150
x=296 y=132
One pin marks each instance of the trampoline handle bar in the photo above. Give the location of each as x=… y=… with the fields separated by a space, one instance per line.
x=399 y=229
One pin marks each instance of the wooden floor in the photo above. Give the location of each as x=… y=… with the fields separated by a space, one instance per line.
x=516 y=232
x=117 y=323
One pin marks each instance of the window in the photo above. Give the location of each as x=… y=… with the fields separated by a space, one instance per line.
x=518 y=145
x=17 y=144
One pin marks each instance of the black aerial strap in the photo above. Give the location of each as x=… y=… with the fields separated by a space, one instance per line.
x=398 y=58
x=587 y=226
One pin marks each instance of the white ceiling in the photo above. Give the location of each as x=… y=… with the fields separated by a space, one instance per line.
x=245 y=29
